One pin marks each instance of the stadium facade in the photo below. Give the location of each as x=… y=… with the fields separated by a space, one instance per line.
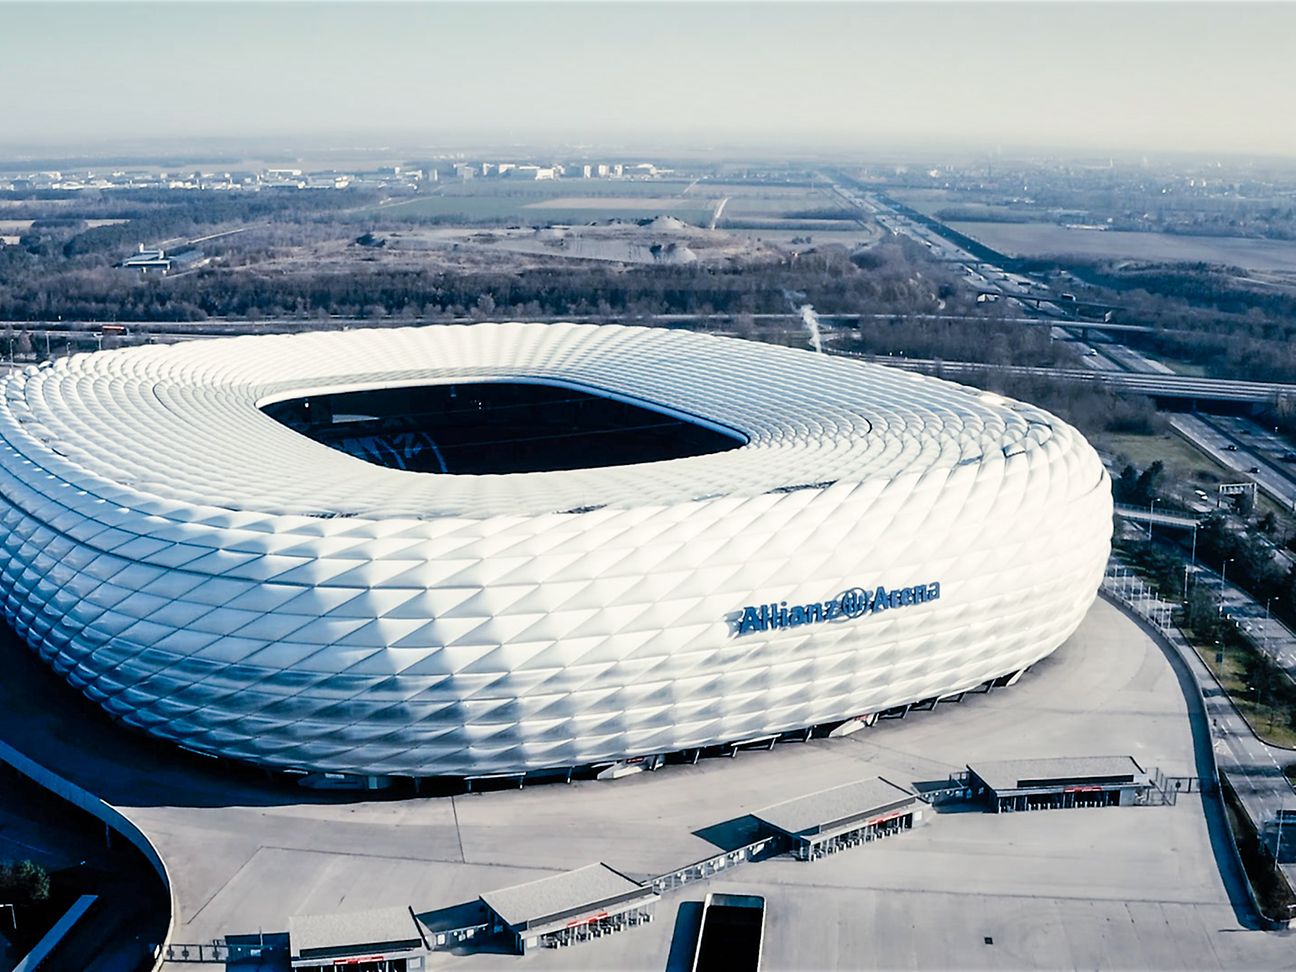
x=464 y=550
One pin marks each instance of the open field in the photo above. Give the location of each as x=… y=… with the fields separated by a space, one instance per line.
x=589 y=200
x=1269 y=722
x=1050 y=239
x=1181 y=459
x=1183 y=463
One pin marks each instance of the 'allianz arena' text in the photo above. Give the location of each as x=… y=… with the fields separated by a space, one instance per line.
x=466 y=550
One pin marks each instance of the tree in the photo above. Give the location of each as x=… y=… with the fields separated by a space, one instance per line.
x=1126 y=485
x=1149 y=482
x=1244 y=503
x=23 y=882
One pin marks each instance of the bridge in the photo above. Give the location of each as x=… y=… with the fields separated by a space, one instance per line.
x=1159 y=386
x=1137 y=513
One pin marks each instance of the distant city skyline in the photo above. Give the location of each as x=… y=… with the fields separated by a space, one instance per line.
x=1105 y=77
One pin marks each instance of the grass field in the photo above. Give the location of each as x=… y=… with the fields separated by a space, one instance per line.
x=588 y=200
x=1271 y=723
x=1184 y=463
x=1052 y=240
x=1180 y=458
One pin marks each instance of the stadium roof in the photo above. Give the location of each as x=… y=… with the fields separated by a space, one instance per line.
x=161 y=428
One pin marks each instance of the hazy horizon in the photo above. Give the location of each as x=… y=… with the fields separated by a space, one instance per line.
x=1107 y=77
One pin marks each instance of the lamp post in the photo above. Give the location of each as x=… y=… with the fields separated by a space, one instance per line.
x=13 y=914
x=1151 y=513
x=1219 y=615
x=1223 y=582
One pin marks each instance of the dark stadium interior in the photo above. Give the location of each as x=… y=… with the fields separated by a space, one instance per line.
x=495 y=427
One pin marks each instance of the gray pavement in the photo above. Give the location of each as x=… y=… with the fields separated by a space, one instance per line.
x=1214 y=435
x=1265 y=631
x=1253 y=767
x=1136 y=887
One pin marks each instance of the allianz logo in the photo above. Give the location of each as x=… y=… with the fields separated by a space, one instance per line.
x=846 y=606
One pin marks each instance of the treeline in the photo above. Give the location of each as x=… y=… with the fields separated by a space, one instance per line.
x=891 y=282
x=153 y=215
x=1205 y=315
x=1090 y=408
x=986 y=341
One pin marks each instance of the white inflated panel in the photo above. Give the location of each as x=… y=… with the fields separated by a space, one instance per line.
x=212 y=576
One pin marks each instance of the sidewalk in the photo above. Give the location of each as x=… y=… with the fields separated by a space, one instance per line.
x=1253 y=767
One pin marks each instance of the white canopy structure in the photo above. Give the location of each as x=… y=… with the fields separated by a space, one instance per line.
x=865 y=538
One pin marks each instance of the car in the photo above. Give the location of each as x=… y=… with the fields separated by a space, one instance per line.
x=1254 y=469
x=1288 y=457
x=1230 y=448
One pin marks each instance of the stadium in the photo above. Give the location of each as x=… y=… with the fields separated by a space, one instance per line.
x=511 y=548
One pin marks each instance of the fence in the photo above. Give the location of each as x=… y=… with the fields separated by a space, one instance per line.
x=711 y=866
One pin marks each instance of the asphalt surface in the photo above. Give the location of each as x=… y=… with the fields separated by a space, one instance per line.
x=1242 y=445
x=1141 y=887
x=1253 y=767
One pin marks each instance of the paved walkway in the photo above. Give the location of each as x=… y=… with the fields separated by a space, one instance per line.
x=1154 y=885
x=1254 y=768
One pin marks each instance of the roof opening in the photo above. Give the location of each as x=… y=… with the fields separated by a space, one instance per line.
x=509 y=426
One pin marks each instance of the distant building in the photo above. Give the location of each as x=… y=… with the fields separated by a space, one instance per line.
x=534 y=172
x=146 y=260
x=585 y=171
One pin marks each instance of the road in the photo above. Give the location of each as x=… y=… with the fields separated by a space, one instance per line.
x=1053 y=889
x=1270 y=635
x=1151 y=385
x=1254 y=453
x=1253 y=767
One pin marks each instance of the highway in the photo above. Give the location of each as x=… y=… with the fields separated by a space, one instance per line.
x=1152 y=385
x=1253 y=452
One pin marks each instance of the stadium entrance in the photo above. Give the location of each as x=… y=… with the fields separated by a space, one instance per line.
x=511 y=426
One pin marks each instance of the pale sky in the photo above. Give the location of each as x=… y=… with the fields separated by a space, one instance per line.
x=1103 y=76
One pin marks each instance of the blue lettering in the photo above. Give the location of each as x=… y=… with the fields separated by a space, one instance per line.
x=848 y=605
x=881 y=600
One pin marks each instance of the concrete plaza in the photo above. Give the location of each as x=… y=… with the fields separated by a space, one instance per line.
x=1142 y=887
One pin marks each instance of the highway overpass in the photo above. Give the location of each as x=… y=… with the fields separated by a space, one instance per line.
x=1159 y=386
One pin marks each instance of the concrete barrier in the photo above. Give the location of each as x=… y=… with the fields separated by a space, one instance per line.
x=1197 y=712
x=49 y=941
x=112 y=818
